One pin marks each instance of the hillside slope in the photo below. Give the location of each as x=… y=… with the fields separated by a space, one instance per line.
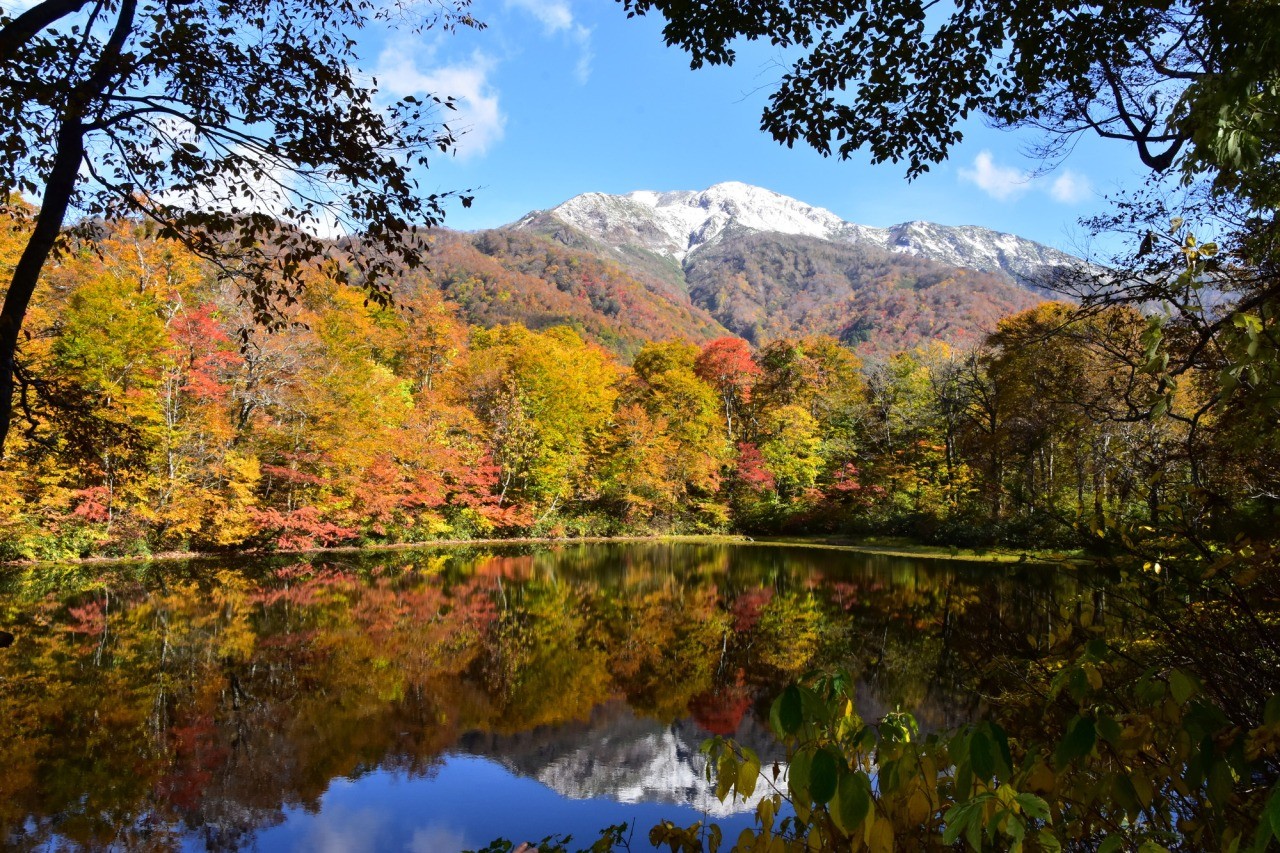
x=766 y=286
x=742 y=260
x=505 y=276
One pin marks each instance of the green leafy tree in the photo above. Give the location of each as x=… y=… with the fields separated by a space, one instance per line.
x=546 y=398
x=824 y=377
x=898 y=79
x=907 y=432
x=790 y=444
x=665 y=384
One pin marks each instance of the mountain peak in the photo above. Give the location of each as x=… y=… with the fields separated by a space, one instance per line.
x=680 y=222
x=676 y=224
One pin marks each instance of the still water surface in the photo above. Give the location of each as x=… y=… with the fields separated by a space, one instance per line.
x=434 y=700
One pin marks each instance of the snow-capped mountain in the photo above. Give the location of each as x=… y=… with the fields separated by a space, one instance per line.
x=973 y=247
x=737 y=259
x=622 y=756
x=660 y=767
x=679 y=224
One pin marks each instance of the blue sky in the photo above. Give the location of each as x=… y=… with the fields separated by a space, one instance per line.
x=560 y=97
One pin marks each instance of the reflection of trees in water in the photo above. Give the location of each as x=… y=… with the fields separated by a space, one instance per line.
x=207 y=699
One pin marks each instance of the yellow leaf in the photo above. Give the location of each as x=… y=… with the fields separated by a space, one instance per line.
x=1041 y=779
x=1092 y=674
x=918 y=807
x=766 y=810
x=1143 y=788
x=929 y=770
x=748 y=775
x=880 y=840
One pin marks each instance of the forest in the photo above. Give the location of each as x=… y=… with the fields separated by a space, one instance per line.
x=157 y=417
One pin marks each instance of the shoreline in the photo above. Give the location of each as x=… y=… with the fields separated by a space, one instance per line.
x=866 y=545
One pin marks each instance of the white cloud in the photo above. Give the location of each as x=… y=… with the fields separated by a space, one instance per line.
x=338 y=829
x=433 y=838
x=275 y=187
x=1071 y=188
x=1006 y=183
x=999 y=182
x=582 y=71
x=556 y=17
x=478 y=121
x=553 y=14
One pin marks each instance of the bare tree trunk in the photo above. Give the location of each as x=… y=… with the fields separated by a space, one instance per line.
x=53 y=210
x=59 y=187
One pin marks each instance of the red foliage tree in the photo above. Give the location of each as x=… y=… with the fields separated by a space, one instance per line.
x=727 y=365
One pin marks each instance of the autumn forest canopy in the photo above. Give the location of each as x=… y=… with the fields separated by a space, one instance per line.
x=157 y=416
x=188 y=364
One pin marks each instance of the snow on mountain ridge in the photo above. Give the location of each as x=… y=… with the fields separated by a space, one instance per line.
x=678 y=223
x=978 y=248
x=661 y=768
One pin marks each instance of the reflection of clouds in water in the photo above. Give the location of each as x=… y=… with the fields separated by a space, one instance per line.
x=342 y=830
x=438 y=839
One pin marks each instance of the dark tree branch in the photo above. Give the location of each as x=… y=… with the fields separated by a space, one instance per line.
x=59 y=190
x=19 y=31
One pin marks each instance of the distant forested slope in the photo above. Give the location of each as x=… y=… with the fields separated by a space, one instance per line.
x=768 y=286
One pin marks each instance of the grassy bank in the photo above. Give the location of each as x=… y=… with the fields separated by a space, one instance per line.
x=898 y=546
x=889 y=546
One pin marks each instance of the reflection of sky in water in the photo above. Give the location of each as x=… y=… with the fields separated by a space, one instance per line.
x=467 y=804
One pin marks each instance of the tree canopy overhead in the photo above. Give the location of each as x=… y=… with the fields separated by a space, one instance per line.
x=896 y=77
x=224 y=124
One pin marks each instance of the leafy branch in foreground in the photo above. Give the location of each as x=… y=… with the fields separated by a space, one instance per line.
x=611 y=838
x=246 y=132
x=850 y=784
x=1146 y=720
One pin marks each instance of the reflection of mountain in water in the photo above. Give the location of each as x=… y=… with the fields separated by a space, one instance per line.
x=624 y=757
x=216 y=706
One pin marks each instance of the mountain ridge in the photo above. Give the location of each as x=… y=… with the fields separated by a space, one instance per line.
x=678 y=224
x=738 y=260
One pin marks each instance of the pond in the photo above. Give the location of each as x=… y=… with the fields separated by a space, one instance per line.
x=433 y=700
